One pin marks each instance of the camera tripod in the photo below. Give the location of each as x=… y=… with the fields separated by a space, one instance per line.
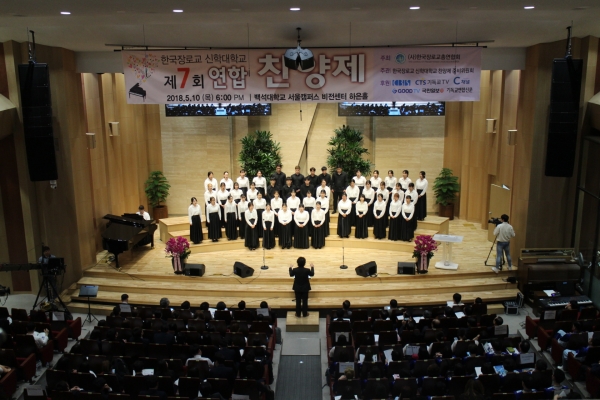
x=488 y=256
x=48 y=284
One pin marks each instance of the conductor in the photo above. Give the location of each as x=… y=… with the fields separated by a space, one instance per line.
x=302 y=285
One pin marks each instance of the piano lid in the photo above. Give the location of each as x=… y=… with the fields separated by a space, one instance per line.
x=142 y=223
x=123 y=228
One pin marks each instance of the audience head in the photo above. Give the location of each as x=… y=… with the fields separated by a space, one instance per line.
x=111 y=335
x=124 y=297
x=164 y=302
x=524 y=346
x=471 y=322
x=204 y=306
x=242 y=305
x=558 y=376
x=346 y=305
x=221 y=306
x=478 y=300
x=459 y=370
x=264 y=304
x=185 y=305
x=433 y=370
x=509 y=364
x=498 y=321
x=61 y=386
x=541 y=365
x=393 y=303
x=427 y=314
x=474 y=389
x=457 y=298
x=138 y=366
x=30 y=327
x=487 y=368
x=339 y=314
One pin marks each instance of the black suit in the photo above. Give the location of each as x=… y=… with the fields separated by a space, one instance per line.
x=339 y=182
x=301 y=288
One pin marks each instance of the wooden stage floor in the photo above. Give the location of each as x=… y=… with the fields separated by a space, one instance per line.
x=146 y=275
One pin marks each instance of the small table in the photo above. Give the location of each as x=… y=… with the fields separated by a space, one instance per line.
x=447 y=241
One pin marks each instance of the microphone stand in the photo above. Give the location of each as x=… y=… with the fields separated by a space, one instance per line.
x=264 y=266
x=343 y=266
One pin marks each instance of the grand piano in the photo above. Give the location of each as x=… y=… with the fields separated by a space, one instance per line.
x=126 y=232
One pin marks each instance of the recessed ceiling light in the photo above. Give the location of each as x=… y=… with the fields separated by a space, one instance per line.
x=65 y=13
x=177 y=11
x=120 y=12
x=581 y=8
x=529 y=7
x=415 y=8
x=473 y=8
x=295 y=9
x=236 y=9
x=355 y=8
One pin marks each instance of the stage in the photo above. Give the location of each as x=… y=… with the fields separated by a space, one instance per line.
x=146 y=275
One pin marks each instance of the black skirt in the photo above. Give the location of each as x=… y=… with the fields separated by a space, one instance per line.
x=196 y=230
x=285 y=235
x=343 y=228
x=352 y=216
x=301 y=238
x=223 y=212
x=421 y=207
x=407 y=229
x=309 y=225
x=268 y=236
x=394 y=229
x=293 y=223
x=362 y=230
x=379 y=225
x=231 y=226
x=326 y=224
x=214 y=230
x=251 y=240
x=277 y=227
x=242 y=225
x=370 y=216
x=318 y=236
x=259 y=225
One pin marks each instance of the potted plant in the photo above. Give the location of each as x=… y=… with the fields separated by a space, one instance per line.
x=259 y=153
x=446 y=187
x=157 y=190
x=347 y=151
x=178 y=248
x=424 y=248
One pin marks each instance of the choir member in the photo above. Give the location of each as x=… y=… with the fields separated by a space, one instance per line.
x=362 y=210
x=360 y=181
x=287 y=190
x=407 y=226
x=213 y=213
x=323 y=188
x=404 y=181
x=395 y=217
x=271 y=190
x=412 y=193
x=301 y=218
x=251 y=237
x=210 y=180
x=276 y=204
x=227 y=181
x=259 y=206
x=243 y=181
x=386 y=197
x=268 y=224
x=353 y=193
x=317 y=217
x=222 y=195
x=293 y=204
x=297 y=180
x=345 y=208
x=260 y=182
x=195 y=214
x=231 y=219
x=324 y=200
x=236 y=192
x=370 y=197
x=309 y=206
x=390 y=181
x=421 y=206
x=306 y=187
x=285 y=233
x=279 y=177
x=379 y=214
x=339 y=182
x=314 y=179
x=210 y=192
x=242 y=207
x=325 y=176
x=375 y=179
x=252 y=193
x=400 y=192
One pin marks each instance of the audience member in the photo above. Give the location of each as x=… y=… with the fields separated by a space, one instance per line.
x=40 y=338
x=196 y=352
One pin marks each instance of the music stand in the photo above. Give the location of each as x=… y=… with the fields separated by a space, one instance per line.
x=89 y=291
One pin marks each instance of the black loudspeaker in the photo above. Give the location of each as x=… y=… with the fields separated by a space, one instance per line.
x=367 y=269
x=564 y=117
x=242 y=270
x=194 y=270
x=406 y=268
x=34 y=85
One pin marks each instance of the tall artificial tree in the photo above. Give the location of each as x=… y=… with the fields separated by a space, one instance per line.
x=347 y=151
x=259 y=153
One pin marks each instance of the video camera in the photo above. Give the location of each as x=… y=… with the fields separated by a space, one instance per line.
x=55 y=266
x=495 y=221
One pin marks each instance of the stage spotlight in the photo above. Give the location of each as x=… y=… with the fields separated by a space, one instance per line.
x=299 y=58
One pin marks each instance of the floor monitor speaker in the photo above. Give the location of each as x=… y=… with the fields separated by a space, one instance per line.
x=194 y=269
x=406 y=268
x=367 y=269
x=242 y=270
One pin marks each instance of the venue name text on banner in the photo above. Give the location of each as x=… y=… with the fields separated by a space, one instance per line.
x=247 y=76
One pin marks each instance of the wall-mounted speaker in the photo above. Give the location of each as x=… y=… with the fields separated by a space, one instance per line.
x=367 y=269
x=406 y=268
x=194 y=270
x=242 y=270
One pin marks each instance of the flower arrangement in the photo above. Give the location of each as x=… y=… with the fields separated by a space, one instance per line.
x=424 y=248
x=178 y=248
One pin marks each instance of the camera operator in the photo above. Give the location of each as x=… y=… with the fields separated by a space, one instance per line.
x=46 y=255
x=504 y=232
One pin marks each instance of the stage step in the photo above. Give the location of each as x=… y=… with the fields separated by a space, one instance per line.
x=304 y=324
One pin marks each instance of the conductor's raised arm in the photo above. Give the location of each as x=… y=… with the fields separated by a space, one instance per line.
x=312 y=269
x=291 y=271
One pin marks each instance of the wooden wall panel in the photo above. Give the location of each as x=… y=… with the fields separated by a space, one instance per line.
x=326 y=121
